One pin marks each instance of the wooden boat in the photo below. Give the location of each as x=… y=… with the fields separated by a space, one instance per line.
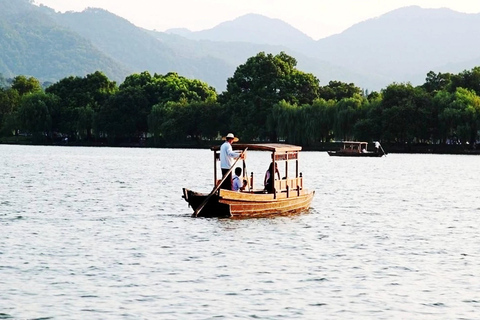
x=289 y=195
x=355 y=149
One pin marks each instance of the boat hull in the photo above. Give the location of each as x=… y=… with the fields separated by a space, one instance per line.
x=231 y=204
x=354 y=154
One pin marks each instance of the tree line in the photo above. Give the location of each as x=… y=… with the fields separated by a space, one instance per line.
x=266 y=99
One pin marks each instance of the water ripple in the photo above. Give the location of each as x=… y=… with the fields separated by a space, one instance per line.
x=103 y=233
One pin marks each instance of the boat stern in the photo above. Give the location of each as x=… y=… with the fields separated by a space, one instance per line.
x=212 y=209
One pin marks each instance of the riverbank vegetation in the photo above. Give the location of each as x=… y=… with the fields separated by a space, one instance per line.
x=266 y=99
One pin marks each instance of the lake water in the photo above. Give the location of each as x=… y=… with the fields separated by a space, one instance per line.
x=103 y=233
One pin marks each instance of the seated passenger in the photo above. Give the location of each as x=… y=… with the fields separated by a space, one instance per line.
x=269 y=178
x=237 y=182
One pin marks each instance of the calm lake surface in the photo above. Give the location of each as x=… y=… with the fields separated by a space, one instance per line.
x=103 y=233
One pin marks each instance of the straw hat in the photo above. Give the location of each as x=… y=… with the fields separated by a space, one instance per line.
x=230 y=136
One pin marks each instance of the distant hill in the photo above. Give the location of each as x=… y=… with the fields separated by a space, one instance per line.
x=237 y=53
x=117 y=47
x=406 y=43
x=254 y=28
x=184 y=32
x=33 y=44
x=121 y=40
x=402 y=45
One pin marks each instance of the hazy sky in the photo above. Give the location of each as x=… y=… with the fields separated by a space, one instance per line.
x=316 y=18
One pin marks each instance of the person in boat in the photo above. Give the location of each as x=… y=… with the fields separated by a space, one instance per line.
x=237 y=181
x=377 y=146
x=269 y=178
x=227 y=157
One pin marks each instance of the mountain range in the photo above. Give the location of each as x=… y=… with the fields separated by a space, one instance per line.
x=400 y=46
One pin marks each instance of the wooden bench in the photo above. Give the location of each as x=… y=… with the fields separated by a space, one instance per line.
x=288 y=185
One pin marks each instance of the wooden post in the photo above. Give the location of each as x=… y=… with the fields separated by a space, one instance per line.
x=274 y=172
x=286 y=167
x=300 y=186
x=214 y=168
x=296 y=167
x=251 y=181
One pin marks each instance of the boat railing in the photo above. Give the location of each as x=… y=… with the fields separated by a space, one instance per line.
x=284 y=185
x=248 y=185
x=289 y=184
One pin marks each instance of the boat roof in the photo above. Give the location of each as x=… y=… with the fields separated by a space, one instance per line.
x=354 y=142
x=272 y=147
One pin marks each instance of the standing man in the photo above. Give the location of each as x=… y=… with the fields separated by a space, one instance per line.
x=377 y=147
x=227 y=156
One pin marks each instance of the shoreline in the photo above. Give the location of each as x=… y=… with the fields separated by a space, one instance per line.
x=321 y=147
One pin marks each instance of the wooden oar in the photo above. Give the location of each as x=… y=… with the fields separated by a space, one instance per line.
x=195 y=213
x=383 y=150
x=245 y=177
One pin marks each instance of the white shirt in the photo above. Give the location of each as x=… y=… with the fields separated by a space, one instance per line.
x=227 y=155
x=237 y=183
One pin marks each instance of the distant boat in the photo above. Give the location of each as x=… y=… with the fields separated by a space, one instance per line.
x=356 y=149
x=289 y=195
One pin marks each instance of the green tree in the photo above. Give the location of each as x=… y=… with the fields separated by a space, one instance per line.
x=369 y=124
x=25 y=85
x=437 y=81
x=170 y=87
x=347 y=112
x=446 y=122
x=209 y=116
x=405 y=112
x=460 y=115
x=468 y=79
x=156 y=118
x=174 y=121
x=144 y=102
x=9 y=100
x=284 y=119
x=337 y=90
x=310 y=120
x=303 y=124
x=34 y=115
x=258 y=85
x=324 y=118
x=81 y=98
x=123 y=116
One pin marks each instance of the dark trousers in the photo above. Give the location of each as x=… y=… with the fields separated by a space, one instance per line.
x=269 y=187
x=227 y=184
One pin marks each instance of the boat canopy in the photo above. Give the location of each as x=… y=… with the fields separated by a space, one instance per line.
x=354 y=142
x=272 y=147
x=280 y=152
